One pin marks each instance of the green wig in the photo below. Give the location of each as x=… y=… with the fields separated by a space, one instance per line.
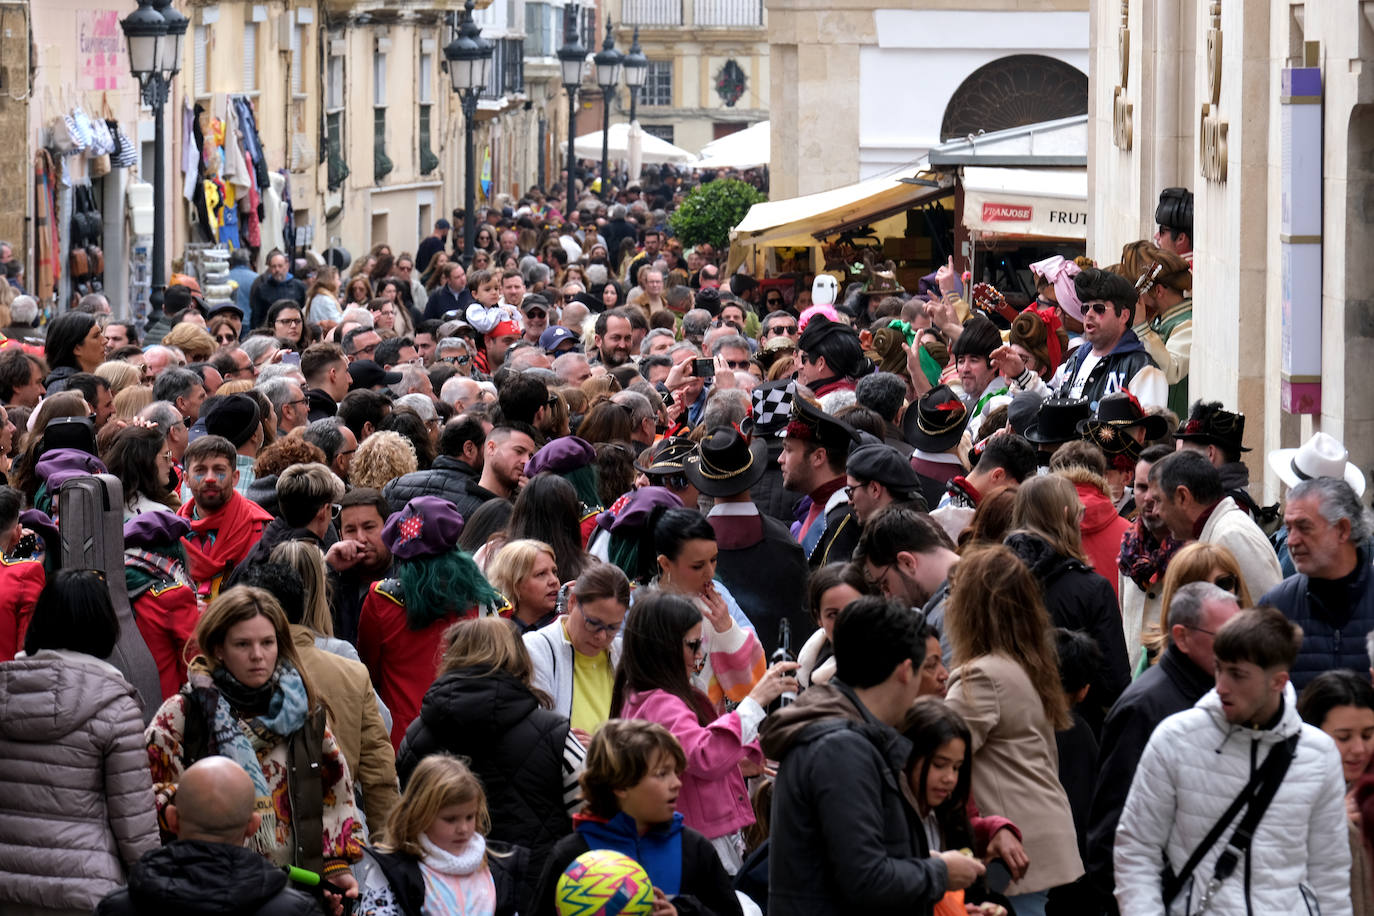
x=586 y=482
x=442 y=584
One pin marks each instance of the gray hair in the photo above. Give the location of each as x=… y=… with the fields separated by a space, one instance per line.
x=725 y=407
x=278 y=391
x=174 y=356
x=597 y=273
x=412 y=378
x=452 y=343
x=24 y=310
x=175 y=382
x=1336 y=500
x=358 y=314
x=1185 y=607
x=535 y=273
x=258 y=347
x=281 y=370
x=696 y=322
x=422 y=404
x=837 y=400
x=564 y=364
x=729 y=340
x=681 y=345
x=883 y=393
x=546 y=376
x=653 y=335
x=326 y=435
x=162 y=413
x=640 y=408
x=453 y=391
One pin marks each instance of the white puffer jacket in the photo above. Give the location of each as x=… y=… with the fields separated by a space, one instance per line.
x=1193 y=768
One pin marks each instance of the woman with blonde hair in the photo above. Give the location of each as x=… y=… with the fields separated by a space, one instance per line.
x=357 y=292
x=120 y=375
x=130 y=401
x=247 y=698
x=1198 y=562
x=1045 y=536
x=483 y=706
x=195 y=342
x=308 y=562
x=1006 y=686
x=380 y=458
x=526 y=572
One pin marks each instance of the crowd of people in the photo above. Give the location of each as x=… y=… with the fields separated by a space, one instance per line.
x=811 y=598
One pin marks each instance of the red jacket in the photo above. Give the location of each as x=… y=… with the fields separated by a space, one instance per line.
x=20 y=583
x=1102 y=530
x=403 y=662
x=166 y=617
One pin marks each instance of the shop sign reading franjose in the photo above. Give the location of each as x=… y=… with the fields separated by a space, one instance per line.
x=101 y=64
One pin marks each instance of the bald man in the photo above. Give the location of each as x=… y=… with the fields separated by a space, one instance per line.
x=208 y=862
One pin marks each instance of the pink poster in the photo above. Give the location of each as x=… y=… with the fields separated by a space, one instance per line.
x=101 y=58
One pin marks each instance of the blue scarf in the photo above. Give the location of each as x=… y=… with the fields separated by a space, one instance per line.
x=659 y=851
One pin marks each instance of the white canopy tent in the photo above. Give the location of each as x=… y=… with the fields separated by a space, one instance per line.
x=1044 y=203
x=744 y=149
x=588 y=146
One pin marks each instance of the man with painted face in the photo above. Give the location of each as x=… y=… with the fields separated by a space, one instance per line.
x=982 y=388
x=225 y=524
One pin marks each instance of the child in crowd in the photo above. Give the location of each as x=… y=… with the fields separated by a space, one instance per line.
x=433 y=857
x=629 y=787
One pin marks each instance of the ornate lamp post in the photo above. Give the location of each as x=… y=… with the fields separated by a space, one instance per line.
x=469 y=68
x=608 y=61
x=572 y=60
x=636 y=72
x=154 y=33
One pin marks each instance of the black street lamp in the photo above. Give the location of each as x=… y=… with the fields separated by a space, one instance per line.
x=608 y=61
x=469 y=67
x=636 y=71
x=154 y=33
x=572 y=60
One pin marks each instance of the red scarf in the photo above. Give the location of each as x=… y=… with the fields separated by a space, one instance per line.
x=236 y=527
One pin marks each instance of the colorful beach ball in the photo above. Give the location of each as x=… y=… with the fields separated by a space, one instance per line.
x=603 y=882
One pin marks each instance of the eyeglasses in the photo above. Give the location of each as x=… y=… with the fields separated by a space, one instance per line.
x=849 y=491
x=456 y=360
x=1100 y=308
x=225 y=338
x=334 y=510
x=536 y=313
x=1228 y=582
x=778 y=330
x=167 y=454
x=694 y=645
x=289 y=322
x=301 y=401
x=610 y=629
x=1211 y=633
x=737 y=363
x=553 y=398
x=875 y=583
x=365 y=350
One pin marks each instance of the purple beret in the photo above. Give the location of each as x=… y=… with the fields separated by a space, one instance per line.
x=635 y=513
x=426 y=527
x=62 y=464
x=155 y=529
x=567 y=453
x=39 y=522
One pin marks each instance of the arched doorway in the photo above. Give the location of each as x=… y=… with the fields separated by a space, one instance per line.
x=1013 y=92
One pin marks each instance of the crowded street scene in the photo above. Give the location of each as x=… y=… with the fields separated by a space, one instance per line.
x=699 y=457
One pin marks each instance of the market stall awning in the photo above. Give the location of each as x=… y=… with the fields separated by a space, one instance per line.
x=798 y=221
x=744 y=149
x=588 y=146
x=1045 y=203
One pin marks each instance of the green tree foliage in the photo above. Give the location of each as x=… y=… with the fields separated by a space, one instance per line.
x=710 y=211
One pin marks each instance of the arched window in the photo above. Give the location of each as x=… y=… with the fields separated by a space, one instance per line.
x=1013 y=92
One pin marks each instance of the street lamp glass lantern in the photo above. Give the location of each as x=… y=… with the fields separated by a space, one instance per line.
x=144 y=29
x=170 y=63
x=469 y=57
x=572 y=61
x=608 y=62
x=636 y=65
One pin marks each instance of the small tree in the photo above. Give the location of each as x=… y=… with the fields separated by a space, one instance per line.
x=709 y=212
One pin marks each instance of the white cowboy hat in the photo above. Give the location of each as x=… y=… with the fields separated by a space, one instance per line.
x=1321 y=456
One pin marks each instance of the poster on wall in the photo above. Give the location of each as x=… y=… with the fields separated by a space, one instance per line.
x=101 y=64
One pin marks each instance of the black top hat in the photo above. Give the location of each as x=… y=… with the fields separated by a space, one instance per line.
x=725 y=463
x=1120 y=409
x=1058 y=420
x=1209 y=424
x=936 y=421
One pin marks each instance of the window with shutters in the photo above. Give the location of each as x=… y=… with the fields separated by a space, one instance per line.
x=200 y=54
x=658 y=85
x=298 y=58
x=381 y=162
x=334 y=114
x=250 y=58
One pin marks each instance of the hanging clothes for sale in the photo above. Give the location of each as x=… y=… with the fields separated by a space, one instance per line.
x=248 y=130
x=46 y=266
x=205 y=223
x=273 y=215
x=190 y=152
x=234 y=172
x=288 y=218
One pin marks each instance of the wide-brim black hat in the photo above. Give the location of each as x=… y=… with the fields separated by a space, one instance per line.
x=725 y=463
x=936 y=422
x=1121 y=410
x=812 y=424
x=1058 y=420
x=666 y=456
x=1222 y=428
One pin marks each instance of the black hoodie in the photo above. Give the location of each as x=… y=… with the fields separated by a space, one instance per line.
x=195 y=878
x=845 y=835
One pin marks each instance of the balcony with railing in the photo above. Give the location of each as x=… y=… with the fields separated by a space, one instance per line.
x=735 y=14
x=651 y=13
x=507 y=69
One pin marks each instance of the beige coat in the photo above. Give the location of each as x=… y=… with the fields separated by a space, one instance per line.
x=1016 y=766
x=346 y=688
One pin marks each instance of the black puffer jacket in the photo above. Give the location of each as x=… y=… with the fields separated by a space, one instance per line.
x=206 y=879
x=514 y=745
x=448 y=478
x=1077 y=598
